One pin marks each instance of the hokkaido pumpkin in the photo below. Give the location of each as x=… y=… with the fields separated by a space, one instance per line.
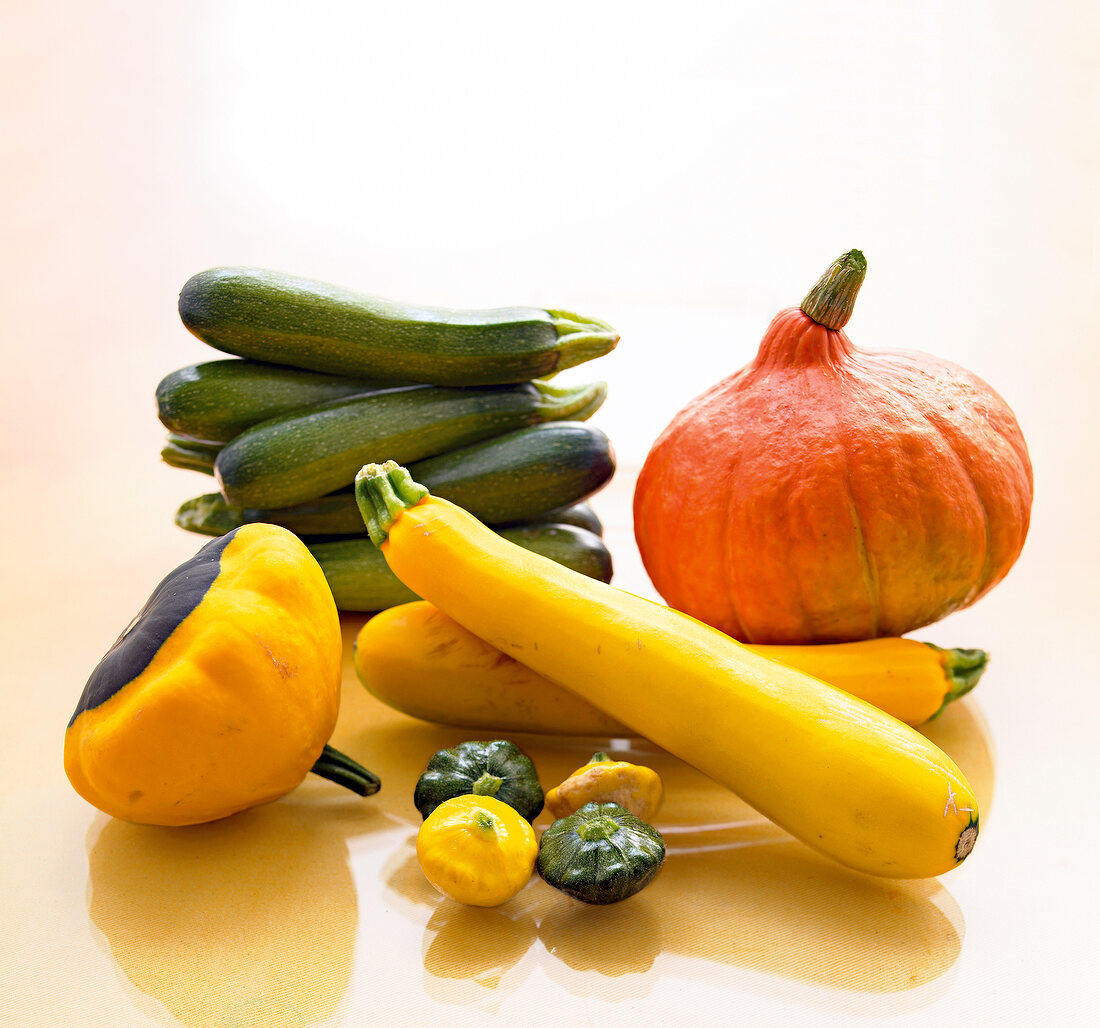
x=825 y=493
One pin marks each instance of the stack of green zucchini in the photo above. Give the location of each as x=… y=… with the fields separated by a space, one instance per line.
x=324 y=380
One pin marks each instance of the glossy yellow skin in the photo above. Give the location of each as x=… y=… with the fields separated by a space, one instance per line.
x=632 y=786
x=476 y=850
x=418 y=660
x=847 y=779
x=237 y=704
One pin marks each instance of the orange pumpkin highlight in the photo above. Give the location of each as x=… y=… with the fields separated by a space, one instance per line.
x=827 y=494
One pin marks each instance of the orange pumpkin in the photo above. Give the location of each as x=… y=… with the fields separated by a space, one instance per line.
x=827 y=494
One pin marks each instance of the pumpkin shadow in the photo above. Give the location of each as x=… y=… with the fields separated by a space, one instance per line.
x=247 y=920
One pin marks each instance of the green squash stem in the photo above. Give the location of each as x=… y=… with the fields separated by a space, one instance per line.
x=602 y=827
x=340 y=768
x=582 y=338
x=962 y=668
x=487 y=784
x=831 y=301
x=190 y=454
x=382 y=492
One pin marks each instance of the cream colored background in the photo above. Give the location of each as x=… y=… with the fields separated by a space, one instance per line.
x=684 y=172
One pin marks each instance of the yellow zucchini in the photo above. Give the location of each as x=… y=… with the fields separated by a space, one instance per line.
x=416 y=659
x=854 y=783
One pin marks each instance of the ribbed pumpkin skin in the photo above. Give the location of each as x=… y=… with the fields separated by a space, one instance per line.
x=828 y=494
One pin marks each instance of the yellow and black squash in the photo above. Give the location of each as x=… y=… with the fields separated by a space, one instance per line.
x=221 y=694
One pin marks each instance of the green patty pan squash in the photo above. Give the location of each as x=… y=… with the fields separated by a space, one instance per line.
x=601 y=853
x=221 y=694
x=496 y=768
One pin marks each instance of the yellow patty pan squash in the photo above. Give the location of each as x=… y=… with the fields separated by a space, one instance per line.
x=221 y=694
x=603 y=780
x=477 y=850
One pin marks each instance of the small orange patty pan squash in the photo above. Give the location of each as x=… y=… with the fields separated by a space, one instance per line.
x=828 y=494
x=221 y=694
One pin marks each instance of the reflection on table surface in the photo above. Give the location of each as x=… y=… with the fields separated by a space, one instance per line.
x=268 y=917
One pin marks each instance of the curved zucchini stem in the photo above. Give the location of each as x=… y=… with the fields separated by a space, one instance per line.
x=962 y=669
x=581 y=338
x=340 y=768
x=189 y=454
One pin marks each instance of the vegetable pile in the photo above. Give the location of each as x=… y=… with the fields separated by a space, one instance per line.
x=477 y=846
x=325 y=380
x=847 y=779
x=415 y=463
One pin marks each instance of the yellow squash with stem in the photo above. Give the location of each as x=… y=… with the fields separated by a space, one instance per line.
x=854 y=783
x=416 y=659
x=602 y=780
x=477 y=850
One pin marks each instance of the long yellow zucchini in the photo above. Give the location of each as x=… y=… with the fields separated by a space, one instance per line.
x=416 y=659
x=847 y=779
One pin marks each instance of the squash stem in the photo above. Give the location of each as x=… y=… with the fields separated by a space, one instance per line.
x=597 y=828
x=569 y=403
x=582 y=338
x=962 y=669
x=382 y=492
x=831 y=301
x=190 y=454
x=340 y=768
x=487 y=785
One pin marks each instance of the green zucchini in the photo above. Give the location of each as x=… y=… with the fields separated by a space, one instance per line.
x=361 y=580
x=190 y=454
x=218 y=400
x=530 y=473
x=331 y=516
x=270 y=316
x=209 y=514
x=579 y=514
x=523 y=474
x=300 y=456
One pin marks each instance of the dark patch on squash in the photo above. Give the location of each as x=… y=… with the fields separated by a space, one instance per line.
x=172 y=601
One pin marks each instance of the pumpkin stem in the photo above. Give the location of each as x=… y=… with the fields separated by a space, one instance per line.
x=382 y=492
x=833 y=297
x=340 y=768
x=963 y=669
x=599 y=758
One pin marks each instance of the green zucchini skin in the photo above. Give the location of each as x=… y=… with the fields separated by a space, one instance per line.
x=217 y=400
x=316 y=451
x=523 y=474
x=361 y=580
x=579 y=514
x=333 y=516
x=270 y=316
